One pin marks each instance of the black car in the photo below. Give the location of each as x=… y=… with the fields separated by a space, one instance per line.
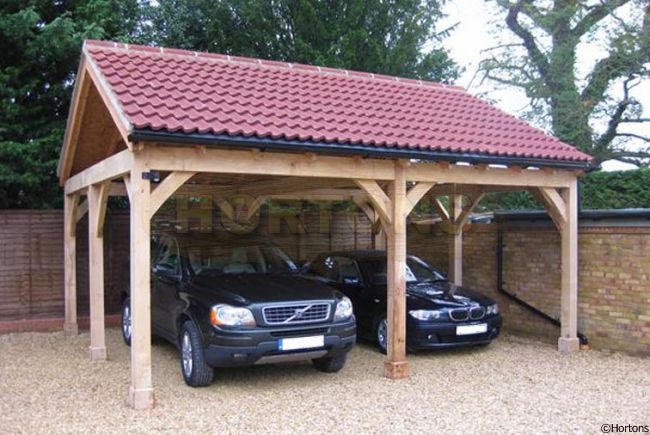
x=239 y=303
x=440 y=314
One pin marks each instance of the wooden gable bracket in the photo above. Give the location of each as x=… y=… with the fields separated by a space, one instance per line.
x=454 y=220
x=440 y=209
x=72 y=213
x=97 y=201
x=166 y=188
x=553 y=203
x=416 y=193
x=370 y=213
x=378 y=198
x=81 y=210
x=462 y=219
x=127 y=185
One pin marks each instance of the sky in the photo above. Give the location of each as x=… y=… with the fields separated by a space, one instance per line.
x=473 y=34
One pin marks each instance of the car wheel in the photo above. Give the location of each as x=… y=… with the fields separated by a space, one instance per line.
x=195 y=370
x=127 y=326
x=381 y=333
x=330 y=364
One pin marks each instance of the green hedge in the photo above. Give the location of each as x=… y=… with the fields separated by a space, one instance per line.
x=599 y=190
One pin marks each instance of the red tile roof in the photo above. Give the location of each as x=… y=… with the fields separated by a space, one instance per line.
x=187 y=92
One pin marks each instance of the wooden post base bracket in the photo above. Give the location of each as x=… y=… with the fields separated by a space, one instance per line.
x=70 y=329
x=97 y=353
x=141 y=398
x=396 y=370
x=567 y=345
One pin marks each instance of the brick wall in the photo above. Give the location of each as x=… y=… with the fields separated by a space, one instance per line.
x=614 y=289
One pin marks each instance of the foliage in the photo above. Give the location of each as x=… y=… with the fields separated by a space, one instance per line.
x=40 y=43
x=543 y=63
x=377 y=36
x=598 y=190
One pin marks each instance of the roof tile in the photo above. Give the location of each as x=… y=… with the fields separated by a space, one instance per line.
x=176 y=90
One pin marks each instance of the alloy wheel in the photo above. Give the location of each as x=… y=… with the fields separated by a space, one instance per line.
x=126 y=322
x=382 y=333
x=186 y=354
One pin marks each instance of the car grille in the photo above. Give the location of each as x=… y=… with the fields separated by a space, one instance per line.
x=476 y=313
x=297 y=313
x=461 y=314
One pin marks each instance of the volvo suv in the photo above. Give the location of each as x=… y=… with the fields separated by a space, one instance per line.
x=239 y=302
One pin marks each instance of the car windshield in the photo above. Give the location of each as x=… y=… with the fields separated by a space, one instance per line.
x=237 y=260
x=416 y=271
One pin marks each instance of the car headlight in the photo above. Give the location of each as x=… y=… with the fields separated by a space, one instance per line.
x=227 y=315
x=492 y=309
x=425 y=315
x=343 y=309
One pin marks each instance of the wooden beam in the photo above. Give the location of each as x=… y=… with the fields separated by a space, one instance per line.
x=396 y=366
x=461 y=174
x=70 y=326
x=416 y=193
x=455 y=240
x=113 y=167
x=378 y=198
x=568 y=341
x=467 y=211
x=366 y=208
x=554 y=204
x=100 y=212
x=96 y=272
x=81 y=211
x=440 y=209
x=469 y=189
x=127 y=185
x=141 y=393
x=166 y=188
x=170 y=158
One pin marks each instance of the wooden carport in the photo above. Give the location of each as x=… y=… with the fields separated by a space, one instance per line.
x=111 y=148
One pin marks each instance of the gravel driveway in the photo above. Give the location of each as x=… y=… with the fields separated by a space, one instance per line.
x=48 y=385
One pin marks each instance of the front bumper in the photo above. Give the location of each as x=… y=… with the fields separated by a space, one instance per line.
x=230 y=348
x=432 y=335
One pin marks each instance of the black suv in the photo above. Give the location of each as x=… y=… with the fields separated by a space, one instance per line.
x=241 y=302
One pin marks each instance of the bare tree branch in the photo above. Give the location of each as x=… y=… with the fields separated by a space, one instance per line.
x=634 y=135
x=597 y=14
x=631 y=120
x=536 y=55
x=612 y=127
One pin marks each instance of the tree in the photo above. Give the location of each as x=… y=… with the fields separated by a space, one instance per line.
x=40 y=43
x=543 y=62
x=391 y=37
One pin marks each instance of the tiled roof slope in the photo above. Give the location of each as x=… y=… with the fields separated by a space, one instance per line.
x=187 y=92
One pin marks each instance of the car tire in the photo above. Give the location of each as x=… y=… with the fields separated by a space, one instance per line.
x=127 y=328
x=196 y=372
x=331 y=364
x=381 y=333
